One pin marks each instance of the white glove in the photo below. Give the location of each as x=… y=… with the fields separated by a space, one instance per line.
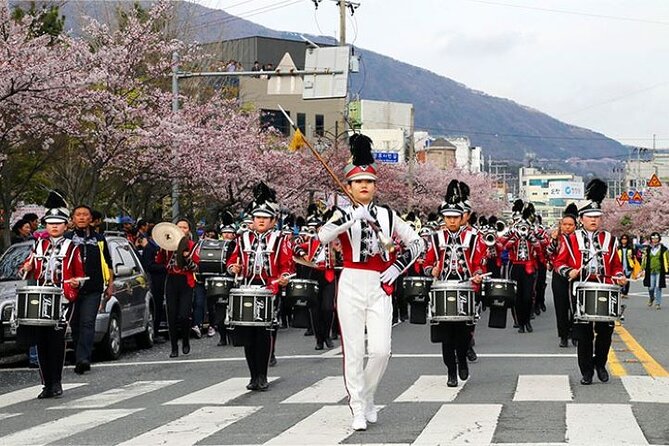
x=390 y=274
x=362 y=213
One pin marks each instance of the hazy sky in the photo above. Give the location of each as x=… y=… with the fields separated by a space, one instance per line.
x=600 y=64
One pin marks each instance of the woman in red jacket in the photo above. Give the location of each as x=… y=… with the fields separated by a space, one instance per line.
x=179 y=290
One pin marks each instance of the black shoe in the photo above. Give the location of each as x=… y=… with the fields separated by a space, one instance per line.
x=515 y=325
x=57 y=390
x=452 y=380
x=537 y=310
x=79 y=369
x=159 y=340
x=564 y=342
x=543 y=307
x=253 y=384
x=335 y=336
x=463 y=370
x=586 y=380
x=471 y=355
x=284 y=325
x=528 y=327
x=319 y=346
x=272 y=360
x=185 y=347
x=263 y=385
x=175 y=352
x=223 y=341
x=521 y=329
x=46 y=393
x=574 y=342
x=328 y=343
x=309 y=332
x=602 y=374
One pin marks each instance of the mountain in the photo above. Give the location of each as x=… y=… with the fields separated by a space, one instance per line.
x=505 y=129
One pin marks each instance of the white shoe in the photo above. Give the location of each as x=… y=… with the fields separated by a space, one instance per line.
x=211 y=332
x=371 y=414
x=359 y=423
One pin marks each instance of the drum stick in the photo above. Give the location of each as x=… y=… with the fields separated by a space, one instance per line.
x=482 y=275
x=78 y=279
x=289 y=276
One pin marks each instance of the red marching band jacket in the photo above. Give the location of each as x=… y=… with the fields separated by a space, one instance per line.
x=319 y=253
x=277 y=257
x=167 y=258
x=573 y=250
x=71 y=267
x=524 y=251
x=473 y=248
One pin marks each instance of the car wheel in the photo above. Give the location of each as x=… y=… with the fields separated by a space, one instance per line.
x=112 y=340
x=145 y=339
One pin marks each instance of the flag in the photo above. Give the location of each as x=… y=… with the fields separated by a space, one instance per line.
x=297 y=142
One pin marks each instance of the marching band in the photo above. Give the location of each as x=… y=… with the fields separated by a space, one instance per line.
x=344 y=264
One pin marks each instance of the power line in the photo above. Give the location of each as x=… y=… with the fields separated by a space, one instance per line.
x=565 y=11
x=250 y=13
x=615 y=99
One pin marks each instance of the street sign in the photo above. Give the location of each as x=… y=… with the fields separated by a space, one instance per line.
x=330 y=85
x=635 y=197
x=654 y=181
x=624 y=197
x=387 y=157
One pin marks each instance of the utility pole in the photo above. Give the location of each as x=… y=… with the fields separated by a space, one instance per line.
x=175 y=110
x=342 y=23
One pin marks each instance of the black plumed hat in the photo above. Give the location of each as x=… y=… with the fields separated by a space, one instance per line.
x=595 y=192
x=453 y=201
x=264 y=203
x=362 y=166
x=56 y=208
x=570 y=211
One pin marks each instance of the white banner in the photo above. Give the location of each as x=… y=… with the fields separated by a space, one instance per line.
x=566 y=189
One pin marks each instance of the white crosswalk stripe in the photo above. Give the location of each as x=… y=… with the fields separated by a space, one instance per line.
x=429 y=388
x=218 y=394
x=64 y=427
x=114 y=396
x=328 y=390
x=603 y=424
x=461 y=424
x=543 y=388
x=29 y=393
x=192 y=428
x=4 y=416
x=647 y=389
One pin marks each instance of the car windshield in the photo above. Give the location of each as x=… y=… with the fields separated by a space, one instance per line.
x=12 y=259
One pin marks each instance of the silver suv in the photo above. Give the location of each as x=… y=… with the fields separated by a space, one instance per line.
x=128 y=313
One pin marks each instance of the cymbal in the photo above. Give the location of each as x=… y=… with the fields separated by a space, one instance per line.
x=167 y=235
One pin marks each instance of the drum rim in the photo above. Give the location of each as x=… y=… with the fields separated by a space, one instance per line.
x=500 y=281
x=595 y=286
x=219 y=279
x=55 y=289
x=37 y=322
x=453 y=284
x=255 y=292
x=419 y=279
x=309 y=281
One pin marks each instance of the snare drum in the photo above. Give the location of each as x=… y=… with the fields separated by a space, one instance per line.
x=219 y=287
x=212 y=257
x=598 y=302
x=251 y=306
x=302 y=289
x=452 y=301
x=496 y=291
x=39 y=305
x=416 y=288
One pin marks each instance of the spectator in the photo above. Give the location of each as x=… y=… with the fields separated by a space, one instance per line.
x=127 y=226
x=141 y=229
x=97 y=265
x=158 y=274
x=33 y=219
x=96 y=224
x=655 y=265
x=21 y=232
x=627 y=258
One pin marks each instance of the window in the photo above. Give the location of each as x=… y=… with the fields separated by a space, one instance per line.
x=275 y=119
x=320 y=125
x=302 y=122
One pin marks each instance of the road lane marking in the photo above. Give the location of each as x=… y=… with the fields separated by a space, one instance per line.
x=646 y=389
x=543 y=388
x=334 y=352
x=29 y=393
x=4 y=416
x=653 y=368
x=218 y=394
x=328 y=390
x=616 y=367
x=113 y=396
x=328 y=425
x=317 y=357
x=61 y=428
x=430 y=388
x=461 y=424
x=603 y=424
x=192 y=428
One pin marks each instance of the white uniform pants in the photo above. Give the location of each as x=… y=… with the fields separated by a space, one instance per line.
x=361 y=302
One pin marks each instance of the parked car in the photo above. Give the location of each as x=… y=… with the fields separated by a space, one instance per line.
x=128 y=313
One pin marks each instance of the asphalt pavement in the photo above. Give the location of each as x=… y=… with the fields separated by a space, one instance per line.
x=524 y=389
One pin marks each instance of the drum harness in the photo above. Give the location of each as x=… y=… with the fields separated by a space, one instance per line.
x=52 y=265
x=453 y=249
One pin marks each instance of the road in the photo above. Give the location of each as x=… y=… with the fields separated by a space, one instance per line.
x=524 y=389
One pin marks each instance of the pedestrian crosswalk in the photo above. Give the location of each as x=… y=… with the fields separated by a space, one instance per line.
x=317 y=413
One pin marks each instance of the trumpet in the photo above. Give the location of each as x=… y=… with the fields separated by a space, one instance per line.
x=490 y=234
x=522 y=228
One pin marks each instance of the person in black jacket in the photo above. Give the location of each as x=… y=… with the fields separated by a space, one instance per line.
x=158 y=274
